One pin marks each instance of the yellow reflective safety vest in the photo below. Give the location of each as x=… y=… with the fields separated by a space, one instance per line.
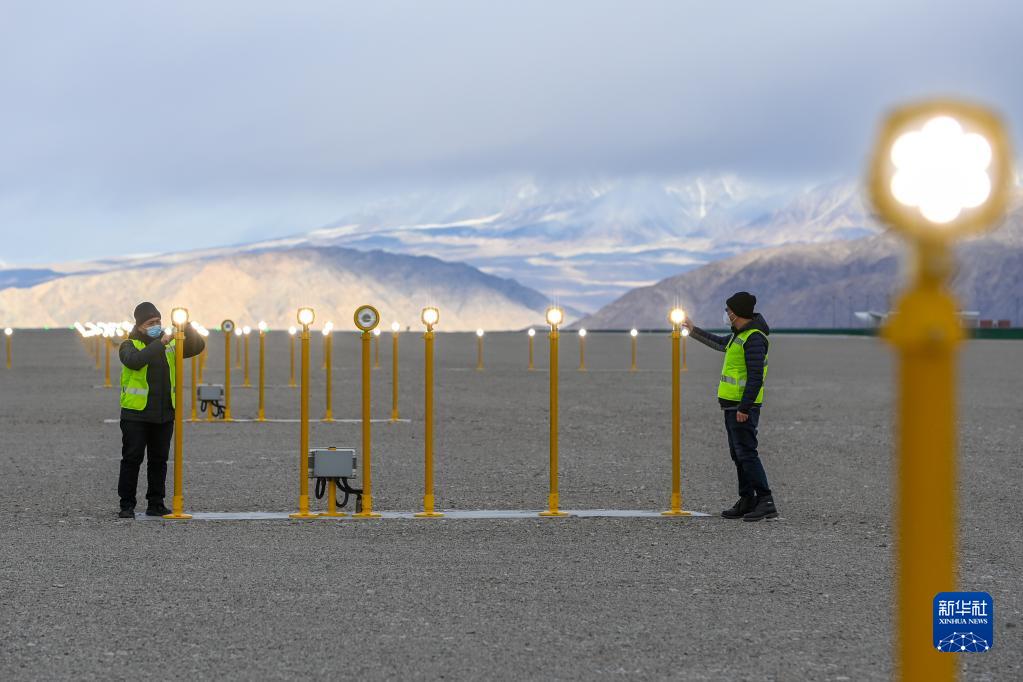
x=135 y=386
x=733 y=372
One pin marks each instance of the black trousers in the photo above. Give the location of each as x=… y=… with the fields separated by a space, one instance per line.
x=136 y=439
x=742 y=446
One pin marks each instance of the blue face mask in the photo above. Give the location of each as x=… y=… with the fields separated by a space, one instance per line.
x=154 y=332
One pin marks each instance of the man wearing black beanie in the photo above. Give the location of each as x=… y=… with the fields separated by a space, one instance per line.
x=741 y=395
x=147 y=406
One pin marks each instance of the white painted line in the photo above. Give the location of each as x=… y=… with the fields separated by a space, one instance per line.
x=283 y=421
x=448 y=514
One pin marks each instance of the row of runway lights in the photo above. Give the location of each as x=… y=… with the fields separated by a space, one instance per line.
x=105 y=335
x=367 y=320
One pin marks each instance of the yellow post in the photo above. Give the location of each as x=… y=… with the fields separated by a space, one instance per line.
x=246 y=383
x=634 y=334
x=291 y=343
x=194 y=416
x=531 y=334
x=479 y=350
x=305 y=318
x=180 y=317
x=430 y=317
x=394 y=373
x=554 y=316
x=582 y=350
x=367 y=485
x=227 y=375
x=8 y=333
x=676 y=428
x=328 y=346
x=261 y=413
x=941 y=170
x=106 y=370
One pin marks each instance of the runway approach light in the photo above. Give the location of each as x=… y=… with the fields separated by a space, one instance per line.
x=179 y=316
x=292 y=330
x=376 y=331
x=479 y=332
x=582 y=332
x=554 y=316
x=430 y=316
x=246 y=330
x=237 y=331
x=531 y=332
x=306 y=317
x=263 y=327
x=395 y=327
x=685 y=331
x=634 y=333
x=8 y=331
x=677 y=316
x=941 y=168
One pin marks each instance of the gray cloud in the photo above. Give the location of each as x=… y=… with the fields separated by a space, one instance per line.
x=123 y=120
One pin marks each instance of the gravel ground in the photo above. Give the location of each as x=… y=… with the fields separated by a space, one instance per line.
x=88 y=596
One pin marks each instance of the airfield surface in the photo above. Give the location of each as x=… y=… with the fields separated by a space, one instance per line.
x=808 y=597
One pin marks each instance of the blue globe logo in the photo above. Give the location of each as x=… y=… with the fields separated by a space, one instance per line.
x=963 y=641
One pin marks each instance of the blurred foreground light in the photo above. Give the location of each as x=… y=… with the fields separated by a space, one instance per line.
x=940 y=169
x=677 y=316
x=179 y=316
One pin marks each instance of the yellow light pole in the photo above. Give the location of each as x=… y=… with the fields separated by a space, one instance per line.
x=366 y=319
x=479 y=350
x=395 y=327
x=305 y=318
x=228 y=326
x=531 y=333
x=677 y=316
x=554 y=317
x=328 y=349
x=940 y=170
x=376 y=348
x=246 y=330
x=8 y=333
x=261 y=412
x=633 y=333
x=291 y=343
x=430 y=317
x=106 y=354
x=582 y=350
x=179 y=316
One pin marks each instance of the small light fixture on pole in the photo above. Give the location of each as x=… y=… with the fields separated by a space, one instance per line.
x=677 y=316
x=229 y=327
x=261 y=412
x=554 y=317
x=8 y=333
x=179 y=316
x=430 y=316
x=582 y=350
x=633 y=333
x=395 y=328
x=305 y=316
x=531 y=333
x=292 y=330
x=366 y=319
x=941 y=170
x=479 y=350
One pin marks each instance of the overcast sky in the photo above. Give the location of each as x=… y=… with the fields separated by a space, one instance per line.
x=141 y=125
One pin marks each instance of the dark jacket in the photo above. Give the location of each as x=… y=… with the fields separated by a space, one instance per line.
x=755 y=352
x=159 y=408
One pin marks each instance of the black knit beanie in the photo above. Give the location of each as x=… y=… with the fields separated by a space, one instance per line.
x=145 y=311
x=742 y=304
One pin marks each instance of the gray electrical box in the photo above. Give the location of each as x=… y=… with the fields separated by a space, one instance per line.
x=332 y=463
x=211 y=392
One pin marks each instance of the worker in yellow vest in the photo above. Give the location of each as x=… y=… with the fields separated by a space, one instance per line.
x=147 y=406
x=741 y=395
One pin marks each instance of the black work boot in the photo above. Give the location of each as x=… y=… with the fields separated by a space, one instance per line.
x=764 y=509
x=126 y=513
x=157 y=510
x=740 y=508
